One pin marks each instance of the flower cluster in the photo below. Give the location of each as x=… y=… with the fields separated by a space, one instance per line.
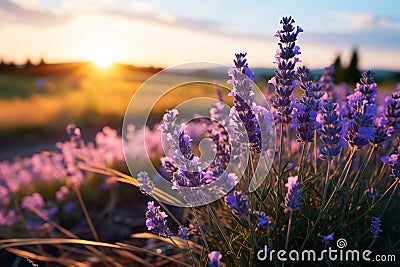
x=294 y=195
x=145 y=183
x=263 y=221
x=393 y=161
x=155 y=220
x=286 y=59
x=214 y=259
x=305 y=109
x=375 y=226
x=238 y=203
x=328 y=238
x=243 y=118
x=359 y=130
x=330 y=131
x=327 y=83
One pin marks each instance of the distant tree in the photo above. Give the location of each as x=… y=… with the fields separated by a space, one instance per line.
x=42 y=62
x=352 y=71
x=339 y=70
x=28 y=63
x=4 y=65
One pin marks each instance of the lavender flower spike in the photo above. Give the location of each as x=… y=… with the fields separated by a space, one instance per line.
x=294 y=196
x=146 y=185
x=330 y=131
x=155 y=220
x=286 y=59
x=183 y=232
x=394 y=164
x=263 y=220
x=238 y=204
x=375 y=226
x=214 y=258
x=328 y=238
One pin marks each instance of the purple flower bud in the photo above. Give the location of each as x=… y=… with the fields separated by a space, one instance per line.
x=372 y=193
x=214 y=259
x=183 y=232
x=145 y=183
x=155 y=220
x=263 y=220
x=328 y=238
x=238 y=204
x=286 y=60
x=375 y=226
x=394 y=164
x=294 y=196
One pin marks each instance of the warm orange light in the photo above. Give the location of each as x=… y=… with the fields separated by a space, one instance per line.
x=103 y=61
x=102 y=56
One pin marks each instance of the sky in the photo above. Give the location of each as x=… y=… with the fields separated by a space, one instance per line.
x=165 y=33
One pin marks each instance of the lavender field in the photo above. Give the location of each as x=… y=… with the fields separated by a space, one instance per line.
x=291 y=168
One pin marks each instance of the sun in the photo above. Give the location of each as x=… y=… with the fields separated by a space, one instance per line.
x=102 y=55
x=103 y=61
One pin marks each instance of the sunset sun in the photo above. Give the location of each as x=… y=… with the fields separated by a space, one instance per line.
x=102 y=56
x=103 y=60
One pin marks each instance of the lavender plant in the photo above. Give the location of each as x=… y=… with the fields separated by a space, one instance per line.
x=328 y=194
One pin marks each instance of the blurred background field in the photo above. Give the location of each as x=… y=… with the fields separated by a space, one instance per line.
x=38 y=101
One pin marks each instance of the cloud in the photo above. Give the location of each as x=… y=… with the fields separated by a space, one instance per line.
x=12 y=13
x=209 y=26
x=362 y=21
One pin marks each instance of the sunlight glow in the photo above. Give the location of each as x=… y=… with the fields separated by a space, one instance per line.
x=103 y=61
x=102 y=54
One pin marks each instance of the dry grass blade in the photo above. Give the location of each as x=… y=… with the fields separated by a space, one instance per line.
x=196 y=248
x=15 y=242
x=30 y=255
x=137 y=249
x=132 y=256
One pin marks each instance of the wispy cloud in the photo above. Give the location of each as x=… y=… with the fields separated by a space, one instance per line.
x=362 y=21
x=12 y=13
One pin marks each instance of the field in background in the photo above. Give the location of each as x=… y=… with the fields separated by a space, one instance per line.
x=38 y=102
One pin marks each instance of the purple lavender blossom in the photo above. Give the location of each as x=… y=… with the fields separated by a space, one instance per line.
x=240 y=63
x=305 y=109
x=183 y=232
x=328 y=238
x=35 y=200
x=304 y=120
x=330 y=131
x=145 y=183
x=372 y=193
x=238 y=204
x=294 y=196
x=185 y=145
x=286 y=59
x=367 y=87
x=327 y=82
x=214 y=259
x=359 y=130
x=263 y=220
x=155 y=220
x=169 y=167
x=375 y=226
x=393 y=161
x=220 y=137
x=7 y=218
x=243 y=111
x=392 y=110
x=75 y=134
